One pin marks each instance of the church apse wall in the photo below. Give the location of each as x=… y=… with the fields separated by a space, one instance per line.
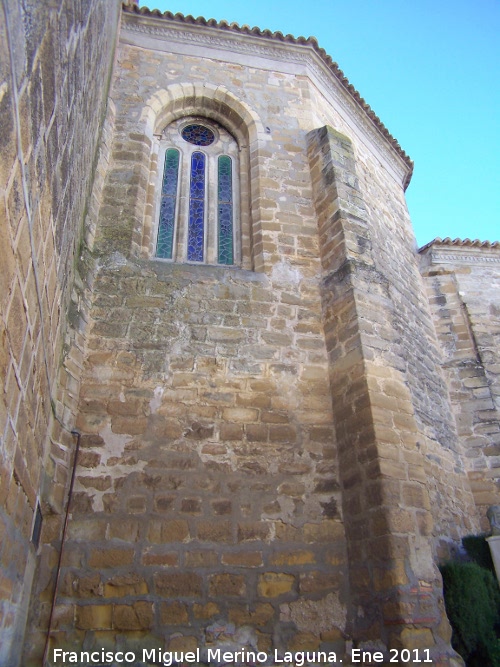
x=207 y=489
x=285 y=417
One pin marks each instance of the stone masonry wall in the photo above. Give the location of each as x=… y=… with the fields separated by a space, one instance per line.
x=463 y=287
x=206 y=488
x=52 y=100
x=259 y=448
x=206 y=494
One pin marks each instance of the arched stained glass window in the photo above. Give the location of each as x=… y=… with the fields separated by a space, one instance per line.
x=198 y=204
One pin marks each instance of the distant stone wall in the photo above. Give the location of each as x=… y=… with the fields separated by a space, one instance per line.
x=463 y=286
x=52 y=101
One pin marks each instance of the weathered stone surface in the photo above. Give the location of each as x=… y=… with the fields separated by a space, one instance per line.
x=275 y=584
x=137 y=616
x=178 y=584
x=231 y=585
x=174 y=613
x=273 y=445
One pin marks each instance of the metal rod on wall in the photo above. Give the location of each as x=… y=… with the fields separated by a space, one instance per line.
x=77 y=434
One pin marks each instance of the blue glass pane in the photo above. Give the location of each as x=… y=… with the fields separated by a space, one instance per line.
x=166 y=225
x=196 y=224
x=197 y=185
x=198 y=135
x=225 y=211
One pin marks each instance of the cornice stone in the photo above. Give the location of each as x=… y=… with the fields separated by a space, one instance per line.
x=463 y=258
x=459 y=253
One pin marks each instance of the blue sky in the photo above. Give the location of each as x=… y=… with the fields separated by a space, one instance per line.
x=430 y=69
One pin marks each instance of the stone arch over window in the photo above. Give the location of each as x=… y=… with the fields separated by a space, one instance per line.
x=220 y=110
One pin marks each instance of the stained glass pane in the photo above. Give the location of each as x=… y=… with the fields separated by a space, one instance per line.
x=196 y=224
x=166 y=225
x=198 y=135
x=225 y=211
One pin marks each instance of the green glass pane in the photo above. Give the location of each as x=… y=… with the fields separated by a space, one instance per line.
x=225 y=210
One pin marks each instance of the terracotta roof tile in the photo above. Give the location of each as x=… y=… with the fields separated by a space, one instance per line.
x=463 y=243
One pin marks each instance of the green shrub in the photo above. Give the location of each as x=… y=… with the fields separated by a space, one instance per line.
x=472 y=601
x=478 y=550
